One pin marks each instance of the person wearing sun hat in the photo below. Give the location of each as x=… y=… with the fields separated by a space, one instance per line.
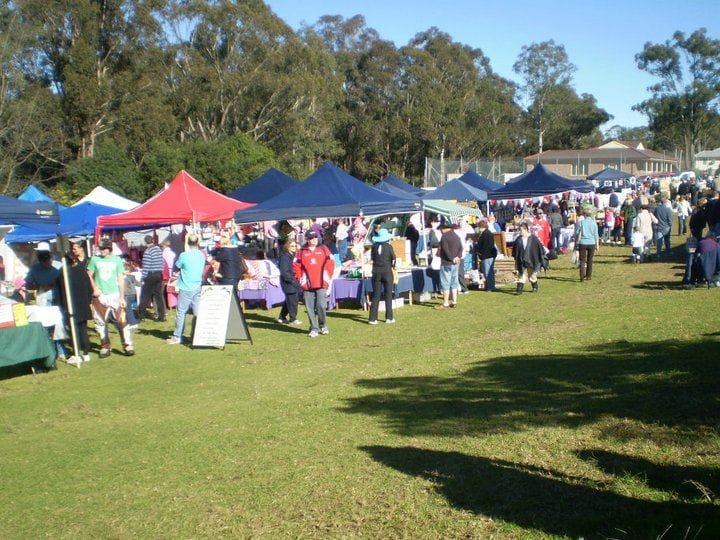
x=43 y=276
x=383 y=262
x=44 y=279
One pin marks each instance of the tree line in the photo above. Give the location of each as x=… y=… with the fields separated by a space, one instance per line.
x=124 y=93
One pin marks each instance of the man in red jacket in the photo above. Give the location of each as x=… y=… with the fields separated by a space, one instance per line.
x=313 y=267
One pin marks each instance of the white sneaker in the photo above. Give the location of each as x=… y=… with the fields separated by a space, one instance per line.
x=390 y=321
x=324 y=330
x=173 y=340
x=74 y=360
x=297 y=322
x=313 y=333
x=372 y=322
x=85 y=357
x=282 y=321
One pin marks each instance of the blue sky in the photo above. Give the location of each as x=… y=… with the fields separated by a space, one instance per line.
x=601 y=38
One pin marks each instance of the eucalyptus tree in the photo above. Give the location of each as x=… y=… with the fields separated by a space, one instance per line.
x=453 y=105
x=683 y=107
x=82 y=49
x=31 y=135
x=543 y=66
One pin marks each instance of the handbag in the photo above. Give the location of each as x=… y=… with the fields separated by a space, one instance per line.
x=396 y=276
x=435 y=261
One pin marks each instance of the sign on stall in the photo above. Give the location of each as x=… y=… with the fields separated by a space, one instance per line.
x=219 y=318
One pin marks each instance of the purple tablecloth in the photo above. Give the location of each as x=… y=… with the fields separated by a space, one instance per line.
x=354 y=288
x=271 y=295
x=343 y=289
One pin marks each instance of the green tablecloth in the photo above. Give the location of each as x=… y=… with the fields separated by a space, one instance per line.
x=20 y=344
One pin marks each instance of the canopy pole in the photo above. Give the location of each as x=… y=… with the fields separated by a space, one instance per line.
x=62 y=243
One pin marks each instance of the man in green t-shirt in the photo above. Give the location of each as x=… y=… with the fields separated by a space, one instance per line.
x=108 y=283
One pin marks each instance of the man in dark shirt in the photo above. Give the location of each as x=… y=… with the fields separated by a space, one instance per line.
x=152 y=282
x=712 y=213
x=486 y=253
x=664 y=216
x=450 y=251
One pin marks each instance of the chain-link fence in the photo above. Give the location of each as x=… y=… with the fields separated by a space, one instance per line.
x=439 y=171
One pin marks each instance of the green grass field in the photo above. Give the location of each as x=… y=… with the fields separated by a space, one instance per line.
x=589 y=409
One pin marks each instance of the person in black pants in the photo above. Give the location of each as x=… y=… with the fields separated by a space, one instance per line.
x=152 y=280
x=289 y=284
x=383 y=259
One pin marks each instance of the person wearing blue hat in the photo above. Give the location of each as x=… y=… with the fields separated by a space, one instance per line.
x=383 y=262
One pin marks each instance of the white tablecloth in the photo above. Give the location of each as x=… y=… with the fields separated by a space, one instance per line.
x=49 y=317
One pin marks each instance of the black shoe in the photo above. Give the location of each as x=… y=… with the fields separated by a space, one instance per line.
x=534 y=287
x=519 y=289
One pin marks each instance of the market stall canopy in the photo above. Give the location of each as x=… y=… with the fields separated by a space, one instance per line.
x=537 y=183
x=16 y=212
x=79 y=220
x=458 y=191
x=437 y=206
x=185 y=200
x=608 y=173
x=34 y=194
x=479 y=181
x=402 y=184
x=105 y=197
x=264 y=187
x=450 y=209
x=398 y=192
x=329 y=191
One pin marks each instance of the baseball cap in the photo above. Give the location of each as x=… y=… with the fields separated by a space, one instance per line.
x=310 y=234
x=43 y=246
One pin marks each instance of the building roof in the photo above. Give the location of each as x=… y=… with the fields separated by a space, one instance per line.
x=711 y=154
x=600 y=153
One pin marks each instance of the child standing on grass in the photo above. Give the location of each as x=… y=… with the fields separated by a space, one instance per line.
x=638 y=245
x=619 y=226
x=130 y=296
x=608 y=225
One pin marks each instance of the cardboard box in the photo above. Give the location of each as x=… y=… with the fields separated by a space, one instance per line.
x=7 y=317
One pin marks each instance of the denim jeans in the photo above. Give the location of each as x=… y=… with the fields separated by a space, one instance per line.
x=487 y=267
x=186 y=300
x=556 y=239
x=663 y=237
x=316 y=305
x=342 y=247
x=449 y=277
x=682 y=224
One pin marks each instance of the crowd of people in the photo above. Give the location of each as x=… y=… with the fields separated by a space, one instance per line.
x=102 y=287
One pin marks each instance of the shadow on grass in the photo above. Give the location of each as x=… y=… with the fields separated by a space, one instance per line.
x=684 y=481
x=669 y=388
x=659 y=285
x=547 y=500
x=255 y=320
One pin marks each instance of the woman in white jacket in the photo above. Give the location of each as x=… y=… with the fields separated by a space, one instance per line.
x=644 y=222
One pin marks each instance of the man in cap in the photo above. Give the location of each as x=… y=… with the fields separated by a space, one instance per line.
x=313 y=267
x=108 y=284
x=450 y=251
x=43 y=278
